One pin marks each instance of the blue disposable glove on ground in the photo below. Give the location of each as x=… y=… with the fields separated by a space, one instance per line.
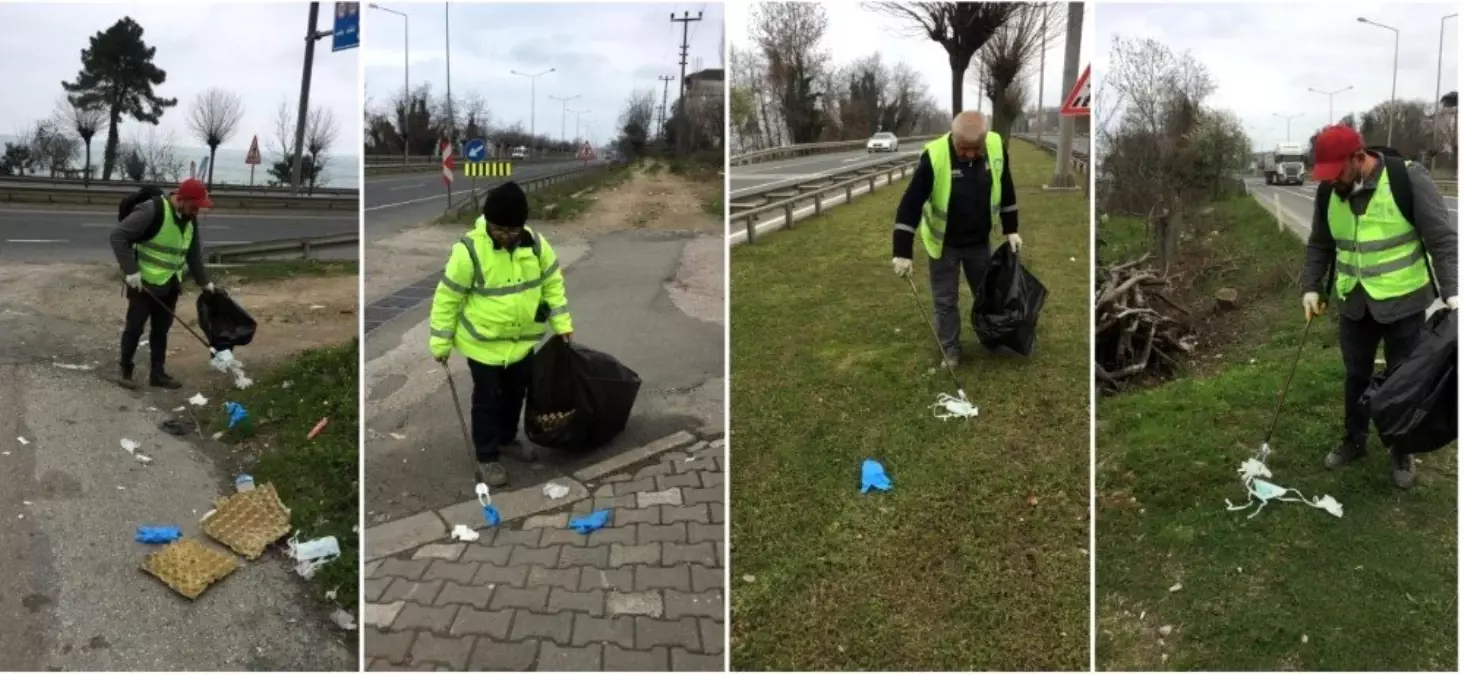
x=490 y=515
x=236 y=413
x=590 y=523
x=164 y=534
x=874 y=476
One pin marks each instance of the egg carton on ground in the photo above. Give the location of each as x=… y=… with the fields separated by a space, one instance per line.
x=248 y=522
x=189 y=567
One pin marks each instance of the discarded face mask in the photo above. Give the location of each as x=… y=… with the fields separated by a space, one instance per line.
x=312 y=555
x=224 y=362
x=1253 y=475
x=464 y=533
x=951 y=407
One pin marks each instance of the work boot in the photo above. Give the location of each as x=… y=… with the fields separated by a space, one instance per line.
x=494 y=474
x=1346 y=452
x=523 y=453
x=950 y=360
x=163 y=380
x=124 y=378
x=1403 y=475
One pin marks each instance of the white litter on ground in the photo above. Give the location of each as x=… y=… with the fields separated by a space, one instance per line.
x=199 y=400
x=555 y=490
x=397 y=436
x=180 y=408
x=953 y=407
x=1261 y=492
x=131 y=447
x=312 y=555
x=22 y=440
x=464 y=533
x=343 y=619
x=70 y=366
x=225 y=362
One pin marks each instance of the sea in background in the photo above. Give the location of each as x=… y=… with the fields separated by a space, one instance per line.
x=341 y=170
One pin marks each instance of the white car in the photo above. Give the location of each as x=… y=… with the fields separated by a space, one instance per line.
x=883 y=141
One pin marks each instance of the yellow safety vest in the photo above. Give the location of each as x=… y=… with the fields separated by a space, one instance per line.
x=933 y=219
x=163 y=257
x=487 y=299
x=1380 y=249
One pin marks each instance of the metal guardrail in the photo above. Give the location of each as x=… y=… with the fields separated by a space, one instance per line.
x=475 y=195
x=83 y=196
x=788 y=204
x=305 y=245
x=128 y=185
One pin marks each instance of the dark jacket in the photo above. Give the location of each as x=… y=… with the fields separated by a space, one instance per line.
x=133 y=230
x=968 y=216
x=1431 y=219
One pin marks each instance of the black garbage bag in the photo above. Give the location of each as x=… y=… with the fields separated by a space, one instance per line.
x=1414 y=403
x=579 y=398
x=224 y=323
x=1004 y=313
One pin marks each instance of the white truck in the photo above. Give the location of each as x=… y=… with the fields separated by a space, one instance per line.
x=1286 y=165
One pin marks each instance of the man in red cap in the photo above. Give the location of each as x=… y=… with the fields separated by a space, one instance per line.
x=1381 y=226
x=156 y=238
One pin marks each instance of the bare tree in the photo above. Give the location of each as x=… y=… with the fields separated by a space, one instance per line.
x=159 y=154
x=321 y=130
x=635 y=123
x=85 y=119
x=1011 y=52
x=214 y=117
x=962 y=28
x=788 y=35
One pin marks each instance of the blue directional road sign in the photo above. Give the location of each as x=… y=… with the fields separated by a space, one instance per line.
x=475 y=150
x=347 y=33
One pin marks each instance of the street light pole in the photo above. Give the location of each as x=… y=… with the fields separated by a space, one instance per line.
x=1438 y=82
x=533 y=79
x=563 y=112
x=1392 y=97
x=1329 y=95
x=1288 y=119
x=406 y=75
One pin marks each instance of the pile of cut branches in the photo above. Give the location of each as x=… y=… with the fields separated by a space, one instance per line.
x=1135 y=327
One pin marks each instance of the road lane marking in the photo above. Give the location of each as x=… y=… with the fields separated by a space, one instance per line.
x=37 y=241
x=378 y=207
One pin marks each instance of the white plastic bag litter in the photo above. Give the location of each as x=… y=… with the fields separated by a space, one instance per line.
x=312 y=555
x=464 y=533
x=132 y=447
x=1261 y=492
x=224 y=362
x=199 y=400
x=555 y=491
x=948 y=407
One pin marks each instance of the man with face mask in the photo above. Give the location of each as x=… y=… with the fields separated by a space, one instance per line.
x=501 y=286
x=153 y=244
x=1362 y=230
x=962 y=183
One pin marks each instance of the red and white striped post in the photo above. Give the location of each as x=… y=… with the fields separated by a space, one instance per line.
x=447 y=169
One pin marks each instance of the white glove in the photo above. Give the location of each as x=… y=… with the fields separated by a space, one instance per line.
x=134 y=281
x=1015 y=240
x=1452 y=302
x=1311 y=303
x=209 y=287
x=902 y=267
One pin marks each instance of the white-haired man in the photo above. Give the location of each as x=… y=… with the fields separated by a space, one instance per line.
x=962 y=183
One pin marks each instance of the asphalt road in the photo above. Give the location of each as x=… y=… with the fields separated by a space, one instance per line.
x=1296 y=202
x=397 y=202
x=752 y=177
x=101 y=186
x=48 y=235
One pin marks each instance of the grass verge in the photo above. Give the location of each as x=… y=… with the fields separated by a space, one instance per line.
x=275 y=270
x=977 y=559
x=1294 y=588
x=315 y=478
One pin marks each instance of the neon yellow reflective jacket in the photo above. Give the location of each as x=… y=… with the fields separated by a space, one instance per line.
x=164 y=257
x=1380 y=249
x=933 y=219
x=488 y=297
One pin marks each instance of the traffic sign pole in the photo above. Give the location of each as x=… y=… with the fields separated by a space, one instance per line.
x=447 y=169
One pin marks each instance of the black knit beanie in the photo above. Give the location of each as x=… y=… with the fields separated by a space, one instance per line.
x=506 y=206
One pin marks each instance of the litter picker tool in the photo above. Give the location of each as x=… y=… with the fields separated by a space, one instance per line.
x=953 y=406
x=176 y=320
x=490 y=512
x=223 y=361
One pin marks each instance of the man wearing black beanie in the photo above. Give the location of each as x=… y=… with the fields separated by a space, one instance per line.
x=501 y=291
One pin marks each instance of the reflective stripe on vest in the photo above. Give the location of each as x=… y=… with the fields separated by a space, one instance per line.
x=1379 y=249
x=507 y=348
x=933 y=216
x=165 y=256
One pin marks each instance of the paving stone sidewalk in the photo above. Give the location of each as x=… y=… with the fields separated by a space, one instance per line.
x=645 y=593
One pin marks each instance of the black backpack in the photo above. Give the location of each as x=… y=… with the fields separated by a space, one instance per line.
x=136 y=199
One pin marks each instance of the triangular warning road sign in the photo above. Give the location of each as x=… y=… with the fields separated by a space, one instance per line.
x=1077 y=101
x=253 y=156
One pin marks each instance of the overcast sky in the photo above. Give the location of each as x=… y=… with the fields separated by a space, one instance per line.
x=855 y=32
x=255 y=50
x=601 y=53
x=1263 y=58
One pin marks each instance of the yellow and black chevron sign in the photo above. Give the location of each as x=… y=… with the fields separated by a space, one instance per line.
x=487 y=169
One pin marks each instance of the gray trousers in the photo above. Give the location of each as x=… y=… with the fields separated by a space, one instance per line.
x=945 y=288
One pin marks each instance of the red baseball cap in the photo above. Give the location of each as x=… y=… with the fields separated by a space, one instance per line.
x=194 y=189
x=1333 y=146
